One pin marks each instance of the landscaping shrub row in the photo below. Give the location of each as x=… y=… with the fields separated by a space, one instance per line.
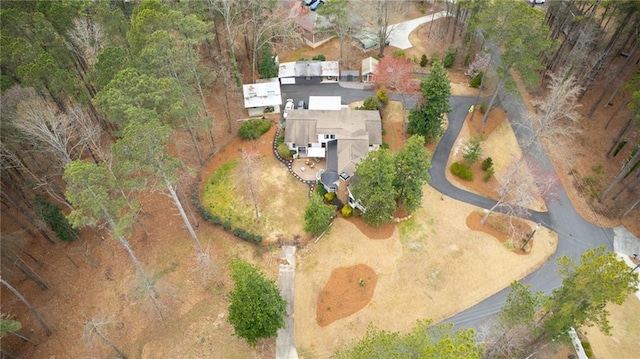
x=217 y=221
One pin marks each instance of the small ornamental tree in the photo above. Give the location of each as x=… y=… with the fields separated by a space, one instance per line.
x=426 y=118
x=424 y=60
x=473 y=150
x=257 y=309
x=317 y=215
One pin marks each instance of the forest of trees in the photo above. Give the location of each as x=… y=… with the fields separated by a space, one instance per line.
x=94 y=92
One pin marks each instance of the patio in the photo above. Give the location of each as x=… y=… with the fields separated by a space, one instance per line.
x=307 y=168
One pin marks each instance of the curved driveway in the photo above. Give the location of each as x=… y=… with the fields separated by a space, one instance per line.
x=575 y=235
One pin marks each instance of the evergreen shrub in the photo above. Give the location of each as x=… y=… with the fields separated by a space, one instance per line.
x=424 y=60
x=476 y=81
x=487 y=163
x=461 y=170
x=252 y=129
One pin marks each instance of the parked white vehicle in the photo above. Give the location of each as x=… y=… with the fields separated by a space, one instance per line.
x=288 y=106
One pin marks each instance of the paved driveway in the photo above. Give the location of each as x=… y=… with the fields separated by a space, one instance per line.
x=400 y=32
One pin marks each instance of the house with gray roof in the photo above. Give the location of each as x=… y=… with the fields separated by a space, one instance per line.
x=343 y=137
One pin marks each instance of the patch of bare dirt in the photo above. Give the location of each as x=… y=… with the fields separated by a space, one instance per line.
x=348 y=290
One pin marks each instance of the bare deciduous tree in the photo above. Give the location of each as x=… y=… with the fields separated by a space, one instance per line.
x=87 y=37
x=230 y=11
x=265 y=23
x=558 y=109
x=518 y=190
x=503 y=341
x=251 y=175
x=89 y=133
x=42 y=123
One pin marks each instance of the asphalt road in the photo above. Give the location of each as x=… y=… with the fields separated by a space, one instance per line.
x=576 y=235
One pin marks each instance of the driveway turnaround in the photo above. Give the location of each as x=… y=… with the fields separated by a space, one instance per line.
x=400 y=32
x=575 y=235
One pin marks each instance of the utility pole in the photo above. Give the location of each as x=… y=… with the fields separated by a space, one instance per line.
x=530 y=236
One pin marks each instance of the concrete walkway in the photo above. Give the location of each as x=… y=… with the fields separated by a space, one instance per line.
x=285 y=345
x=400 y=32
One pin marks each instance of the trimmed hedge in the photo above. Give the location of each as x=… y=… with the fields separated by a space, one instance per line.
x=461 y=170
x=217 y=221
x=252 y=129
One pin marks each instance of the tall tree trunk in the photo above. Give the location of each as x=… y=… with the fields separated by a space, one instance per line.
x=26 y=269
x=595 y=71
x=183 y=214
x=633 y=205
x=34 y=312
x=618 y=137
x=610 y=83
x=621 y=175
x=615 y=113
x=491 y=103
x=629 y=187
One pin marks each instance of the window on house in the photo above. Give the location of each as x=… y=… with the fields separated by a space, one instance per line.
x=324 y=145
x=333 y=137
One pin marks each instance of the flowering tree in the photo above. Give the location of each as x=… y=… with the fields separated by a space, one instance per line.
x=396 y=73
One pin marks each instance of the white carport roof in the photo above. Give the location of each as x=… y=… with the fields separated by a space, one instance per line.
x=262 y=94
x=333 y=103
